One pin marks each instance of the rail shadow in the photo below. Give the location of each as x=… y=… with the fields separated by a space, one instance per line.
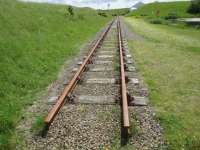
x=124 y=131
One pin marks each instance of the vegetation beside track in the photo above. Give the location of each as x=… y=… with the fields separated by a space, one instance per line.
x=150 y=10
x=168 y=59
x=35 y=40
x=164 y=12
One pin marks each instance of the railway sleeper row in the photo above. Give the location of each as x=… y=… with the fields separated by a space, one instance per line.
x=99 y=71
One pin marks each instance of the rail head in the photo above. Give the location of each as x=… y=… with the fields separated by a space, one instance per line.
x=125 y=112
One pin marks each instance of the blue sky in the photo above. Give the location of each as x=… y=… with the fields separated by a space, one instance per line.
x=98 y=4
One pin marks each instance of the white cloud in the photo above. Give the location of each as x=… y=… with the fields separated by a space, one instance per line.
x=98 y=4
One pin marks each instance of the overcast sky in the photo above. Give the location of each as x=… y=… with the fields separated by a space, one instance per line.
x=98 y=4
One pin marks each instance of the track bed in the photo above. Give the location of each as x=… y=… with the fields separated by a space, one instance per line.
x=93 y=116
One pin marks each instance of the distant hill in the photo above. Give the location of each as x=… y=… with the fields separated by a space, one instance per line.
x=165 y=8
x=137 y=5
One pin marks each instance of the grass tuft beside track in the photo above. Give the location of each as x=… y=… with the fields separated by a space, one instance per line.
x=35 y=40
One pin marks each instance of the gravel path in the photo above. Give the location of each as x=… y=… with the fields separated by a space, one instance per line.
x=97 y=126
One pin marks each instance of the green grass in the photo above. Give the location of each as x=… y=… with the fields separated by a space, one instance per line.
x=169 y=60
x=35 y=40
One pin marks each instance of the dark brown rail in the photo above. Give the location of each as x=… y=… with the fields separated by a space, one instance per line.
x=53 y=112
x=123 y=81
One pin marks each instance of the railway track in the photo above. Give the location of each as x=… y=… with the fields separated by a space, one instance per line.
x=89 y=60
x=95 y=103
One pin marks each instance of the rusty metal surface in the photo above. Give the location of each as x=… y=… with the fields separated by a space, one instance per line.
x=55 y=109
x=125 y=113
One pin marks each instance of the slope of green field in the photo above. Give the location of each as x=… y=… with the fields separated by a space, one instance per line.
x=150 y=10
x=35 y=40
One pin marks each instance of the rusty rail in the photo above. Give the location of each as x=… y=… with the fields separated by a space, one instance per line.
x=123 y=80
x=53 y=112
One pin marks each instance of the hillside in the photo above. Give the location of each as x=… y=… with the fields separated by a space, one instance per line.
x=150 y=10
x=35 y=40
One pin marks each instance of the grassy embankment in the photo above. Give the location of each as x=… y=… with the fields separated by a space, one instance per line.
x=169 y=60
x=168 y=11
x=35 y=40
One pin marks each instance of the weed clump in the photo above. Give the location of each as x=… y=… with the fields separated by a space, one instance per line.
x=156 y=21
x=102 y=14
x=171 y=16
x=38 y=125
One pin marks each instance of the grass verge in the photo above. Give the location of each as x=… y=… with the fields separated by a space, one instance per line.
x=168 y=59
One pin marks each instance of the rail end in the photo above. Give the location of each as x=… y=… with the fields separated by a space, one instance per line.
x=125 y=132
x=45 y=130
